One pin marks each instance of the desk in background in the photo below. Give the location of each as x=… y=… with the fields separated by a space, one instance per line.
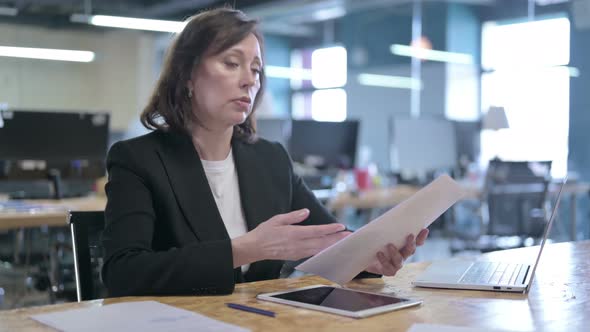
x=381 y=198
x=374 y=198
x=370 y=199
x=57 y=210
x=54 y=215
x=50 y=213
x=559 y=300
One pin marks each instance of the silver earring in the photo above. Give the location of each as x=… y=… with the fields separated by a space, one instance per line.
x=190 y=93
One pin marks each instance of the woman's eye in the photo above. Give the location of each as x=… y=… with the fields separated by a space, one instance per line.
x=231 y=64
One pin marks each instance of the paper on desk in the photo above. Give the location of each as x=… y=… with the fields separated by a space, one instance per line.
x=342 y=261
x=145 y=316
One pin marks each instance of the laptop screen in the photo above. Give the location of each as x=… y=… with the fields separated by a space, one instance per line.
x=547 y=230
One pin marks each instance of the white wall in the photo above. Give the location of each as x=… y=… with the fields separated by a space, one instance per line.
x=119 y=80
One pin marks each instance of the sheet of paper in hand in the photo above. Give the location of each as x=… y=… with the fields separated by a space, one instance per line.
x=342 y=261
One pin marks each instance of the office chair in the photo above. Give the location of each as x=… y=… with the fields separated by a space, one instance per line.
x=515 y=195
x=512 y=206
x=517 y=209
x=86 y=228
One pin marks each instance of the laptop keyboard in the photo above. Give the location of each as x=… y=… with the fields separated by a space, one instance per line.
x=495 y=273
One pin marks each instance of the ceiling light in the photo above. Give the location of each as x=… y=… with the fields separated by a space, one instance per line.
x=129 y=22
x=549 y=2
x=287 y=72
x=328 y=13
x=389 y=81
x=526 y=70
x=46 y=54
x=433 y=55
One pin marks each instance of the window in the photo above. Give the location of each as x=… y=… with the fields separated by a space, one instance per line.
x=320 y=98
x=328 y=105
x=525 y=72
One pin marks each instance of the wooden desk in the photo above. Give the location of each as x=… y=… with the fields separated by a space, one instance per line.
x=374 y=198
x=55 y=216
x=559 y=301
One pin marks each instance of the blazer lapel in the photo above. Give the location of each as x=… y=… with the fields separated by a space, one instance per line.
x=250 y=175
x=191 y=188
x=255 y=195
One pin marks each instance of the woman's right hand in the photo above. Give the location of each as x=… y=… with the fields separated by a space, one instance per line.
x=279 y=238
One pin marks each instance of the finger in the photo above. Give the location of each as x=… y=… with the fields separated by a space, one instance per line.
x=395 y=256
x=386 y=267
x=410 y=248
x=306 y=232
x=290 y=218
x=374 y=268
x=421 y=238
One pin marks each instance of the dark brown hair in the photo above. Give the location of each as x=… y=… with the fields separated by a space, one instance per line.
x=212 y=31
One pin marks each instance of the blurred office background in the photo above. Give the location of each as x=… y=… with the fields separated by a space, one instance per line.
x=372 y=98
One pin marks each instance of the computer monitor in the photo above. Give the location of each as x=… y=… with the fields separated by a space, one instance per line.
x=40 y=135
x=52 y=145
x=423 y=145
x=328 y=144
x=277 y=130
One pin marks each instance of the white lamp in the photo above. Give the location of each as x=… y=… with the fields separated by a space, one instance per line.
x=495 y=118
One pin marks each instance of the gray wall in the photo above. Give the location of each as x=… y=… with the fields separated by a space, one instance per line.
x=376 y=106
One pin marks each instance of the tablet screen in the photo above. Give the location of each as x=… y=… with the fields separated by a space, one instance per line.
x=338 y=298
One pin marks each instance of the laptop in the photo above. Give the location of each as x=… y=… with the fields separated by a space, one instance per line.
x=486 y=275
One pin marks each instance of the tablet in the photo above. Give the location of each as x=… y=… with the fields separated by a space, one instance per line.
x=340 y=301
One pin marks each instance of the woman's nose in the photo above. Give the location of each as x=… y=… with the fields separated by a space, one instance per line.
x=248 y=78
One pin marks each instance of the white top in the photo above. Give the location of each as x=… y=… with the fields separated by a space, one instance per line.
x=223 y=181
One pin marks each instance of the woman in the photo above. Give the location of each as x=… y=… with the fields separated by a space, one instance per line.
x=200 y=204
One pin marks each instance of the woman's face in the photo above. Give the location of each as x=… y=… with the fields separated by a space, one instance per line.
x=224 y=85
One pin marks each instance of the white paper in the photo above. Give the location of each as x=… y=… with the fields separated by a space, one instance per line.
x=342 y=261
x=447 y=328
x=145 y=316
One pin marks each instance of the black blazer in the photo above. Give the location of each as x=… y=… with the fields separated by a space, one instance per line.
x=164 y=233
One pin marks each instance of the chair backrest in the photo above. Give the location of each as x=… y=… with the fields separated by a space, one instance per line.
x=518 y=171
x=86 y=228
x=516 y=195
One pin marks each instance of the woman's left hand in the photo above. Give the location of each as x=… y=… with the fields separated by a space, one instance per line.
x=390 y=259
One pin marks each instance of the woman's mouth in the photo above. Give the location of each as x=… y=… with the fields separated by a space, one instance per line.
x=242 y=104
